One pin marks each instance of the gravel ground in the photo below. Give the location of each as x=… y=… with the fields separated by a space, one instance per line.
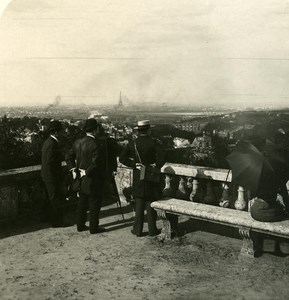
x=37 y=262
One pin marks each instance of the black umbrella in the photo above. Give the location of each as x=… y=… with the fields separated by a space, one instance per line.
x=253 y=165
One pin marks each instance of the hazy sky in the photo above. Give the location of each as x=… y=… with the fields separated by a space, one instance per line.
x=174 y=51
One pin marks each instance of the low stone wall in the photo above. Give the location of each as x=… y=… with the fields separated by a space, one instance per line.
x=22 y=191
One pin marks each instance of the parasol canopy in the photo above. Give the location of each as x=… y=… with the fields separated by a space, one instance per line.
x=253 y=166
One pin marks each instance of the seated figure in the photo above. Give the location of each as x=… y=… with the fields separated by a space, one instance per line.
x=265 y=207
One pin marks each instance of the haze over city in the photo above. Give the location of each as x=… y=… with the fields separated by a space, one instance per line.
x=175 y=52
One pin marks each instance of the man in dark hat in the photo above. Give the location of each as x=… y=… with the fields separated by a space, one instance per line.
x=87 y=157
x=51 y=173
x=144 y=151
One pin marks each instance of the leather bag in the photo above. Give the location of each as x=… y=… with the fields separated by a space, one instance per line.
x=148 y=173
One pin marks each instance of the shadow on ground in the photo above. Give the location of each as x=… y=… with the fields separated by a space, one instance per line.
x=32 y=220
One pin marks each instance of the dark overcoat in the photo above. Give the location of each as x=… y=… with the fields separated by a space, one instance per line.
x=150 y=152
x=51 y=158
x=86 y=154
x=108 y=145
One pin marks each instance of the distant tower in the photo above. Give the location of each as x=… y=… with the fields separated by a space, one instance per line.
x=120 y=104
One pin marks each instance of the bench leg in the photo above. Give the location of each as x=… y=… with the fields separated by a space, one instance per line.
x=251 y=242
x=247 y=247
x=170 y=225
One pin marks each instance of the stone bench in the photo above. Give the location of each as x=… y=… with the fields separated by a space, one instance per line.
x=249 y=229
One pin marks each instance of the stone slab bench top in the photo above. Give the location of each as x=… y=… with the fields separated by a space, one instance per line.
x=221 y=215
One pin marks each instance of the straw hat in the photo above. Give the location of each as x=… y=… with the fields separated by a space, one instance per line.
x=144 y=124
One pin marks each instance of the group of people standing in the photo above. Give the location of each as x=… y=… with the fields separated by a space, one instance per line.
x=93 y=159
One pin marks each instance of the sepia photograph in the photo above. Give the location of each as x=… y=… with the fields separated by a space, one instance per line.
x=144 y=149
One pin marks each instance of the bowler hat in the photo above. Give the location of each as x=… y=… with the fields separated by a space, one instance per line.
x=54 y=126
x=144 y=124
x=90 y=125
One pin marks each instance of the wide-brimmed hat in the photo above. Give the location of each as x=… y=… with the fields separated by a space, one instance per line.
x=54 y=126
x=90 y=125
x=144 y=124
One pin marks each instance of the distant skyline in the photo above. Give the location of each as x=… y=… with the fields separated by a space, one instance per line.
x=199 y=52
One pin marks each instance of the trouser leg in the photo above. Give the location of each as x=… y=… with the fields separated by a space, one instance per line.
x=55 y=202
x=139 y=216
x=151 y=219
x=94 y=210
x=82 y=207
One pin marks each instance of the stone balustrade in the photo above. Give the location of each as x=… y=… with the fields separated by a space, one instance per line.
x=22 y=189
x=203 y=184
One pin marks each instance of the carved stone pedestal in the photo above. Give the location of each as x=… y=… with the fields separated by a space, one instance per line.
x=251 y=243
x=170 y=226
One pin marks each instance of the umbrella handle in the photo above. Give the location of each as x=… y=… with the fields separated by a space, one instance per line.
x=228 y=175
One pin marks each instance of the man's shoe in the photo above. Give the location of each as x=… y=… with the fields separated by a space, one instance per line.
x=138 y=235
x=157 y=232
x=82 y=228
x=98 y=230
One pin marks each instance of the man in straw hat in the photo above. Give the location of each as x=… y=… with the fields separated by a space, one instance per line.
x=51 y=173
x=144 y=151
x=87 y=157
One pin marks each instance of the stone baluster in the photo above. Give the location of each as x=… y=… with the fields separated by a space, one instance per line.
x=225 y=200
x=197 y=191
x=168 y=190
x=190 y=186
x=195 y=185
x=182 y=192
x=241 y=203
x=210 y=195
x=189 y=183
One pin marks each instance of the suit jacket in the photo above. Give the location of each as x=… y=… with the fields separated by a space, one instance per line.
x=51 y=158
x=87 y=154
x=150 y=152
x=109 y=147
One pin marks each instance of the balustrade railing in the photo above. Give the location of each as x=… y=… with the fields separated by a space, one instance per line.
x=203 y=184
x=22 y=188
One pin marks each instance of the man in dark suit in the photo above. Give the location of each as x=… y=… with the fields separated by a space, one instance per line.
x=144 y=192
x=109 y=147
x=86 y=156
x=51 y=173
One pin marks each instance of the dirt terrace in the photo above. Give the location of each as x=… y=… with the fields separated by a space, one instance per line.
x=38 y=262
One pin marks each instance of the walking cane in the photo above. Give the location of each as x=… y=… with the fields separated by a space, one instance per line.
x=118 y=203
